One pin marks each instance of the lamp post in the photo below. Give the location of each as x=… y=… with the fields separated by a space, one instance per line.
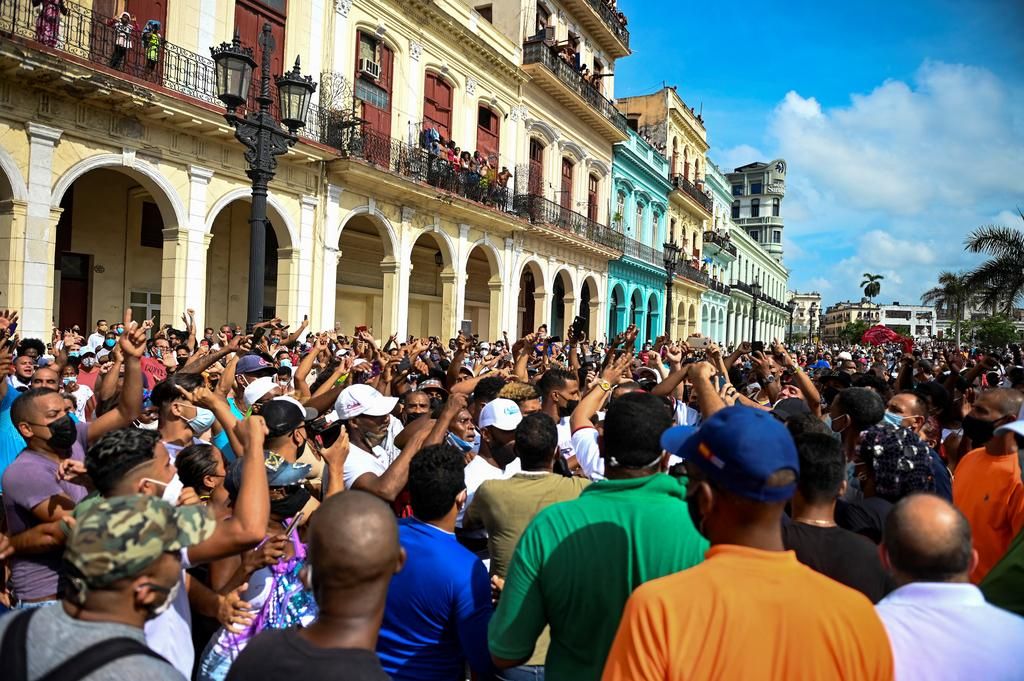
x=671 y=261
x=755 y=293
x=262 y=136
x=792 y=309
x=812 y=314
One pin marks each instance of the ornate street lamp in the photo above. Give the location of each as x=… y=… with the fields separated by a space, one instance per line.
x=670 y=251
x=812 y=314
x=792 y=309
x=755 y=292
x=262 y=136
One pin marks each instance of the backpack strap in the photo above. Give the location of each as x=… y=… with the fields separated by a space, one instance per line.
x=13 y=649
x=92 y=658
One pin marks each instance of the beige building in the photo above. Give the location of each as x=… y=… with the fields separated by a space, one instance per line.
x=121 y=183
x=665 y=119
x=837 y=316
x=805 y=315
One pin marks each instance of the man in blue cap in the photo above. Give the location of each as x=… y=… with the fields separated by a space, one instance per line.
x=751 y=609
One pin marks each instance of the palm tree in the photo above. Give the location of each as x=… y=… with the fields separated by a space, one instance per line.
x=870 y=285
x=953 y=293
x=1000 y=279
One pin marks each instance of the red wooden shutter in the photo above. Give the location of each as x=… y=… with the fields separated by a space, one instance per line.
x=592 y=198
x=566 y=184
x=488 y=132
x=536 y=167
x=437 y=105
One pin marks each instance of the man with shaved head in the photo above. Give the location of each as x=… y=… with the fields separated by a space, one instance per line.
x=353 y=553
x=987 y=485
x=939 y=625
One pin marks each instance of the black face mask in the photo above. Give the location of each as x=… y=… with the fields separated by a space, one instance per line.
x=829 y=394
x=567 y=410
x=695 y=515
x=978 y=430
x=290 y=505
x=63 y=433
x=409 y=418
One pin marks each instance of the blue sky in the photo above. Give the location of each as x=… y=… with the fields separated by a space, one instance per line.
x=902 y=122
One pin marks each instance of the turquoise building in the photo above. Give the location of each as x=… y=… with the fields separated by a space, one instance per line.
x=636 y=282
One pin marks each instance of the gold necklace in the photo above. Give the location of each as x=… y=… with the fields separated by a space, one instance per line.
x=812 y=521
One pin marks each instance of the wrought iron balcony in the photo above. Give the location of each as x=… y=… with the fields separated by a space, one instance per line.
x=688 y=271
x=721 y=240
x=540 y=210
x=417 y=164
x=716 y=285
x=536 y=51
x=690 y=189
x=89 y=37
x=610 y=16
x=641 y=251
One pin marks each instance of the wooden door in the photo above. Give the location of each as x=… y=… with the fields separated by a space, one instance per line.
x=592 y=198
x=488 y=132
x=376 y=112
x=74 y=290
x=250 y=16
x=437 y=105
x=566 y=189
x=536 y=179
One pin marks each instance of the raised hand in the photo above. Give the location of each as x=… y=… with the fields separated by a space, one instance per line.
x=133 y=341
x=8 y=318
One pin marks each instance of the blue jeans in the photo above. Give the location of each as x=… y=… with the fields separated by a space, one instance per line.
x=526 y=672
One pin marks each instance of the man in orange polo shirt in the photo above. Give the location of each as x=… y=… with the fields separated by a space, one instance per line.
x=751 y=610
x=987 y=487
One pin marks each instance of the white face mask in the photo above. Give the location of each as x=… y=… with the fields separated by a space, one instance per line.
x=152 y=425
x=172 y=489
x=169 y=601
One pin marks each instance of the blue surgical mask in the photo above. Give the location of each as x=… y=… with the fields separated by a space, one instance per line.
x=202 y=421
x=286 y=363
x=457 y=441
x=72 y=353
x=110 y=342
x=67 y=380
x=74 y=417
x=894 y=419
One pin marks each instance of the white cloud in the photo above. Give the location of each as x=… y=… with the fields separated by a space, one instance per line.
x=730 y=159
x=894 y=181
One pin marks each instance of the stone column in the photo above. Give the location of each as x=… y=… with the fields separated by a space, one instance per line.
x=451 y=314
x=198 y=245
x=37 y=257
x=12 y=246
x=173 y=269
x=289 y=297
x=331 y=259
x=494 y=325
x=395 y=306
x=304 y=275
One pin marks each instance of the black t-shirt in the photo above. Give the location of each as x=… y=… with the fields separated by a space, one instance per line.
x=846 y=557
x=282 y=654
x=865 y=516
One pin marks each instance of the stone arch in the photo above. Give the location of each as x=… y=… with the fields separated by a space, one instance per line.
x=599 y=167
x=531 y=309
x=573 y=150
x=542 y=131
x=387 y=231
x=276 y=212
x=444 y=242
x=172 y=208
x=492 y=254
x=12 y=182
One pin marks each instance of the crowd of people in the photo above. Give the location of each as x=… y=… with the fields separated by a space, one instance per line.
x=246 y=505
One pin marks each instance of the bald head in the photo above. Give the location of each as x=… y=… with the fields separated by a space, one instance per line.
x=1003 y=401
x=926 y=539
x=353 y=542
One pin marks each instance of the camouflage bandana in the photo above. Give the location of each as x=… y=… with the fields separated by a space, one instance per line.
x=119 y=537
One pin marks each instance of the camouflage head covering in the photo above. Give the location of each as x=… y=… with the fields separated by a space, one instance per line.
x=900 y=461
x=119 y=537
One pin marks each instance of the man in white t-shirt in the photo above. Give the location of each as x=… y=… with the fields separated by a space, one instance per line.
x=496 y=459
x=374 y=464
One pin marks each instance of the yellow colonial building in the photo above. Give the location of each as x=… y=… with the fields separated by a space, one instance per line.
x=678 y=131
x=455 y=165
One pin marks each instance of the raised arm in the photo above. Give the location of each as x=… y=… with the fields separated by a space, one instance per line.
x=132 y=343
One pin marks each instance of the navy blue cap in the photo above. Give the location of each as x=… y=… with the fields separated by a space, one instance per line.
x=739 y=448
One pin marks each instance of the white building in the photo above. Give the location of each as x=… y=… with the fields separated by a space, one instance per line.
x=917 y=321
x=757 y=191
x=805 y=315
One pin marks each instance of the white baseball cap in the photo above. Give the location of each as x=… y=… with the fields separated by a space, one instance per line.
x=844 y=356
x=308 y=413
x=361 y=399
x=502 y=414
x=258 y=388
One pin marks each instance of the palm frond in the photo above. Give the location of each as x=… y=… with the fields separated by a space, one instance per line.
x=996 y=240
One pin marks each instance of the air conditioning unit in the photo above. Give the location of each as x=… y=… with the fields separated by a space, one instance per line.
x=369 y=68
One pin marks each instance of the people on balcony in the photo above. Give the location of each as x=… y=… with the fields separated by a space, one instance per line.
x=124 y=27
x=473 y=175
x=48 y=21
x=151 y=44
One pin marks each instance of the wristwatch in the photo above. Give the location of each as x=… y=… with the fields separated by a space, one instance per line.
x=605 y=386
x=769 y=379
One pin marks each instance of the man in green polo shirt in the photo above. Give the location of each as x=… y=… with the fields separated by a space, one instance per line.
x=578 y=561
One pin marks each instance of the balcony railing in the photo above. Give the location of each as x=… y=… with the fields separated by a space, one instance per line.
x=540 y=210
x=536 y=51
x=610 y=16
x=91 y=36
x=720 y=240
x=415 y=163
x=688 y=271
x=642 y=251
x=687 y=187
x=716 y=285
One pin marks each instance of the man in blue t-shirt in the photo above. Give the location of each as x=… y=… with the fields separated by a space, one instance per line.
x=439 y=605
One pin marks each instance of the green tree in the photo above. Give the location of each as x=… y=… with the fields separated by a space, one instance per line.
x=953 y=293
x=999 y=281
x=871 y=285
x=901 y=329
x=995 y=331
x=853 y=331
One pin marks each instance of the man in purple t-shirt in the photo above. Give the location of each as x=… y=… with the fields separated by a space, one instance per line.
x=33 y=494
